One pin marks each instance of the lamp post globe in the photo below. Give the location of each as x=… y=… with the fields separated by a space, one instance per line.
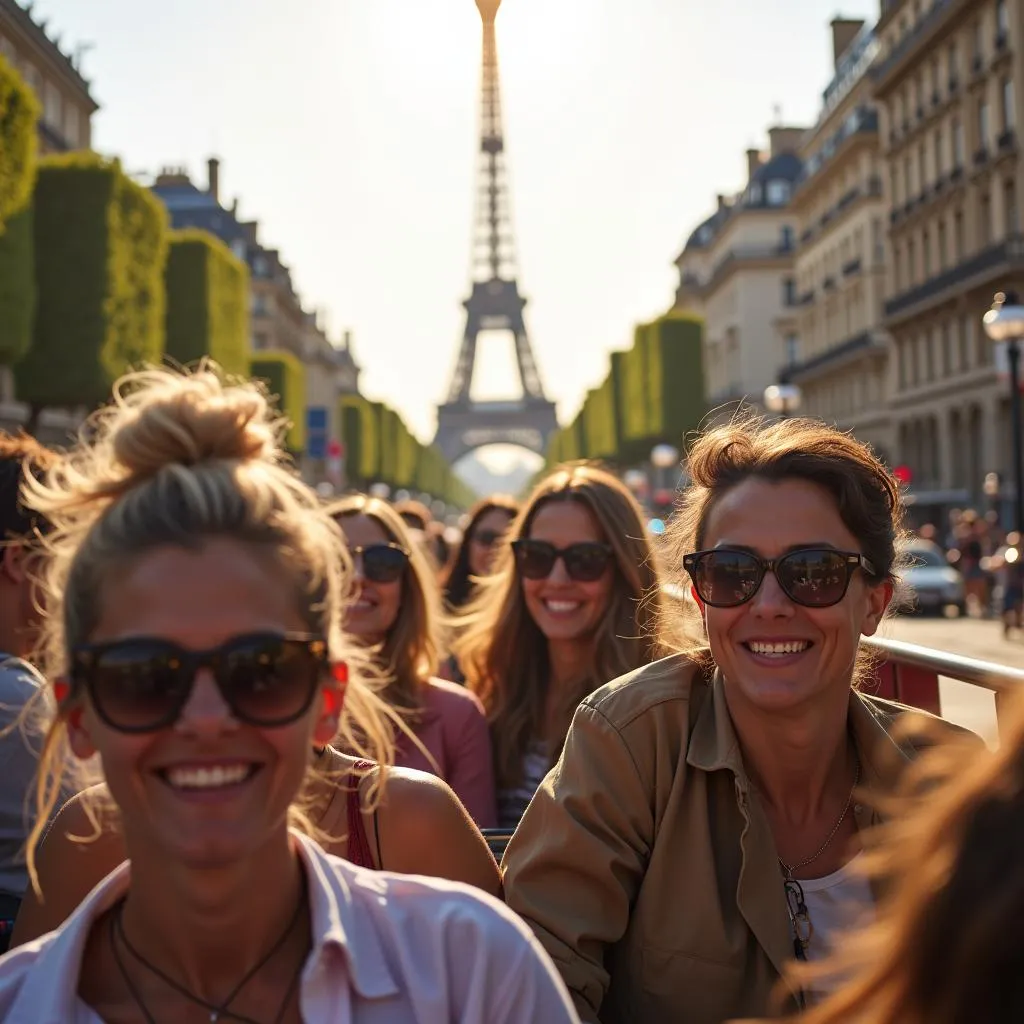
x=635 y=479
x=664 y=456
x=782 y=399
x=1005 y=320
x=1004 y=324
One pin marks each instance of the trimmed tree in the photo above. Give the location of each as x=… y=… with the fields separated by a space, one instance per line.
x=207 y=302
x=100 y=248
x=19 y=114
x=285 y=378
x=17 y=286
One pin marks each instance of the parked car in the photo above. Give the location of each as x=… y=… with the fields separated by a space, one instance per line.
x=934 y=583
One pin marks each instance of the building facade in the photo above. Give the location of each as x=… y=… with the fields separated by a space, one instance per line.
x=733 y=272
x=278 y=321
x=948 y=85
x=67 y=105
x=841 y=360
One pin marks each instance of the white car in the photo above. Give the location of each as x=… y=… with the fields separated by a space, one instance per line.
x=934 y=583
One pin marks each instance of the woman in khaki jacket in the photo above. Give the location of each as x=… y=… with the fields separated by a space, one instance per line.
x=700 y=827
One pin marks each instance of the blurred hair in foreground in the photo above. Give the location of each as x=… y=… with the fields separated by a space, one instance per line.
x=947 y=946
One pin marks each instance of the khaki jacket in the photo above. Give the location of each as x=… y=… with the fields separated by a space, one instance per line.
x=645 y=864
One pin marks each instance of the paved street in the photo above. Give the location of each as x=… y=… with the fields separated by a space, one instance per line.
x=973 y=638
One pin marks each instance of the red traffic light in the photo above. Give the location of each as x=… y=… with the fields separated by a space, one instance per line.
x=903 y=474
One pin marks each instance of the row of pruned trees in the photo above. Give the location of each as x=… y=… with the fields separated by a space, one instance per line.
x=92 y=279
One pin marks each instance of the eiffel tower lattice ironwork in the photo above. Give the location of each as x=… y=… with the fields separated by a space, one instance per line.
x=494 y=303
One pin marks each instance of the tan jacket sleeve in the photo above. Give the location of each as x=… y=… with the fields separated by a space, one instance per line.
x=577 y=860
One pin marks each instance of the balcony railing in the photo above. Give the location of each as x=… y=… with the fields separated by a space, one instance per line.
x=918 y=36
x=1009 y=251
x=851 y=348
x=743 y=253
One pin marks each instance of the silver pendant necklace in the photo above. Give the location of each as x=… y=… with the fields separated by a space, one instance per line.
x=796 y=905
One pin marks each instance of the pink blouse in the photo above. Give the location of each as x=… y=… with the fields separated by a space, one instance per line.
x=453 y=728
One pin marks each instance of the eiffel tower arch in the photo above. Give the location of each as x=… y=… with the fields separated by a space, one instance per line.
x=494 y=303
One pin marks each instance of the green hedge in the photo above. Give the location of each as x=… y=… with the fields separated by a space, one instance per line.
x=17 y=286
x=285 y=377
x=380 y=448
x=675 y=378
x=207 y=302
x=654 y=392
x=100 y=246
x=361 y=437
x=19 y=114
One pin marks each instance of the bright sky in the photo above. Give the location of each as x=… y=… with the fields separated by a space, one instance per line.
x=348 y=128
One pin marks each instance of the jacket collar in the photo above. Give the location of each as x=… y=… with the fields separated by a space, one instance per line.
x=714 y=745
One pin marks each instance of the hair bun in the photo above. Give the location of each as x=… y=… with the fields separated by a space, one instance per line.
x=164 y=418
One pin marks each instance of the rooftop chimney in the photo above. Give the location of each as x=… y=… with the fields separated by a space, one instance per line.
x=213 y=178
x=784 y=140
x=844 y=31
x=721 y=202
x=754 y=161
x=346 y=340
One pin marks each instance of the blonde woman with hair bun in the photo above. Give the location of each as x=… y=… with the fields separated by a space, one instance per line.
x=197 y=588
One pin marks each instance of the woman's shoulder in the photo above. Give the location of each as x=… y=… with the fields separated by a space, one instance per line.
x=651 y=690
x=39 y=980
x=445 y=696
x=401 y=896
x=912 y=728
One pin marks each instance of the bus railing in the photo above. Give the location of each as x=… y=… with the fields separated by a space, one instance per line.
x=910 y=673
x=497 y=840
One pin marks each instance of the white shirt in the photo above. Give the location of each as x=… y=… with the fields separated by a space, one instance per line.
x=836 y=904
x=388 y=948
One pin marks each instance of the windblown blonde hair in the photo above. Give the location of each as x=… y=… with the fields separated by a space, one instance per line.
x=411 y=652
x=503 y=652
x=177 y=458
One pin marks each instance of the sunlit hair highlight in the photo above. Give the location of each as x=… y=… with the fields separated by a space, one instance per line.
x=175 y=459
x=503 y=652
x=411 y=652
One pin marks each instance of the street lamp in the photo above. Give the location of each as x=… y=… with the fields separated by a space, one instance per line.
x=1004 y=322
x=782 y=399
x=664 y=456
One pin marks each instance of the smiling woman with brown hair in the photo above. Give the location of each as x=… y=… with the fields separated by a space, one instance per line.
x=563 y=610
x=698 y=830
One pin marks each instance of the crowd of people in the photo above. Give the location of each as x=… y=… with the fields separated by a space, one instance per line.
x=255 y=740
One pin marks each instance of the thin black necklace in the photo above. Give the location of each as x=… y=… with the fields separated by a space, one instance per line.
x=216 y=1012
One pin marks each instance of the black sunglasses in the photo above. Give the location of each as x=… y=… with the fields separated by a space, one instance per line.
x=584 y=562
x=143 y=683
x=812 y=577
x=382 y=563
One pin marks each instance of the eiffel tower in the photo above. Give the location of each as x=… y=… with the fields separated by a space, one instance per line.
x=494 y=303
